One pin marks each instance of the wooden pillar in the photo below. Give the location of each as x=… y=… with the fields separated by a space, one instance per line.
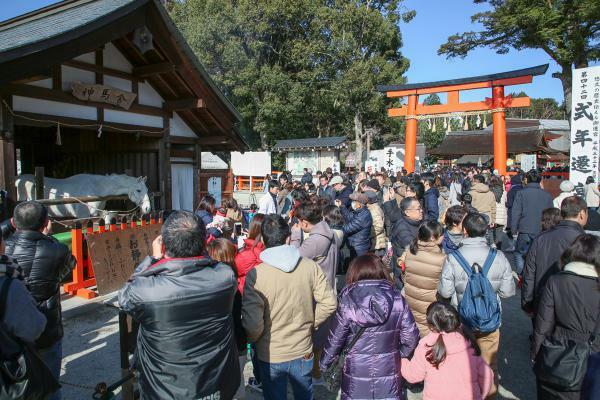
x=499 y=125
x=164 y=167
x=39 y=183
x=410 y=136
x=197 y=168
x=7 y=157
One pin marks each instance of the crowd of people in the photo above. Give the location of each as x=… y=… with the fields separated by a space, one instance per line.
x=366 y=283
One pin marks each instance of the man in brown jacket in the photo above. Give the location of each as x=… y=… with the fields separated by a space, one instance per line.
x=285 y=298
x=483 y=199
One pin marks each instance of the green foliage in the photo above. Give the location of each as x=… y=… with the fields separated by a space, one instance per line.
x=567 y=30
x=544 y=108
x=300 y=68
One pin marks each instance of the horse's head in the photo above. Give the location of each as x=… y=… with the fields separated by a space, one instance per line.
x=138 y=194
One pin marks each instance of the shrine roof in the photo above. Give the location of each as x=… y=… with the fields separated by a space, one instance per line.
x=533 y=71
x=522 y=136
x=333 y=142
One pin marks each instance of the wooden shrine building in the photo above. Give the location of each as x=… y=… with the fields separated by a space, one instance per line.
x=108 y=86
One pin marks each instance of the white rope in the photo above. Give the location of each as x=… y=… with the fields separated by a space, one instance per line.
x=99 y=126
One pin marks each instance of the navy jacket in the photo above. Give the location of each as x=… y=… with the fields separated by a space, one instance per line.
x=432 y=209
x=344 y=196
x=357 y=229
x=526 y=213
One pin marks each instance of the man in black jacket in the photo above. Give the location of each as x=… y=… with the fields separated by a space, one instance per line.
x=545 y=251
x=183 y=301
x=45 y=263
x=526 y=218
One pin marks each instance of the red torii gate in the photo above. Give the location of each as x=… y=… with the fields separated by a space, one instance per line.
x=497 y=105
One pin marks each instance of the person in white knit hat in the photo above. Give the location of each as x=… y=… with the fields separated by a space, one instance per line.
x=567 y=189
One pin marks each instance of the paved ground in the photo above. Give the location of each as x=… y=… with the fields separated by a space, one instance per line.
x=91 y=353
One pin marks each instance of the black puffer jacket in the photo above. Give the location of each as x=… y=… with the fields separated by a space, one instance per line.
x=404 y=231
x=357 y=229
x=568 y=310
x=543 y=258
x=45 y=263
x=186 y=346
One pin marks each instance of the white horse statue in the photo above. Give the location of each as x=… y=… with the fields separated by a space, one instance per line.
x=85 y=185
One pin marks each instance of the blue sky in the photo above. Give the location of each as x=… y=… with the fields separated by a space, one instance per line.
x=435 y=21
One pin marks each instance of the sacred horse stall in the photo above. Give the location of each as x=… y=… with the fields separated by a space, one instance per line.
x=104 y=109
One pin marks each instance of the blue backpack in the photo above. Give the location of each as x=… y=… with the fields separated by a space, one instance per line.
x=479 y=308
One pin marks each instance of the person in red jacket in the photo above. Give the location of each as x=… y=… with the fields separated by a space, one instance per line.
x=247 y=258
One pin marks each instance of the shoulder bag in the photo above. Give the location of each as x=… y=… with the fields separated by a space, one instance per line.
x=562 y=363
x=333 y=375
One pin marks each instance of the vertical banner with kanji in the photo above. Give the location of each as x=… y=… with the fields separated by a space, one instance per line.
x=585 y=126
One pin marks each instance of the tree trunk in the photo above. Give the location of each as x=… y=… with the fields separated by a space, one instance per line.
x=566 y=78
x=358 y=135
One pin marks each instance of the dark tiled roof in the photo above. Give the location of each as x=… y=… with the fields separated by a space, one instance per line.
x=481 y=142
x=336 y=142
x=538 y=70
x=25 y=30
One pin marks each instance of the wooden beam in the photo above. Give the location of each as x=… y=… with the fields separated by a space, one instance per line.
x=465 y=86
x=27 y=120
x=33 y=78
x=184 y=104
x=213 y=140
x=460 y=107
x=183 y=140
x=7 y=155
x=99 y=79
x=100 y=69
x=56 y=95
x=164 y=166
x=145 y=71
x=57 y=77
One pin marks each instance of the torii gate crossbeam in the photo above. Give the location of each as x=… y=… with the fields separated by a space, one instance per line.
x=497 y=105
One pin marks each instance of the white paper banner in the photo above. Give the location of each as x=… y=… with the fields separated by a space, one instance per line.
x=585 y=126
x=528 y=162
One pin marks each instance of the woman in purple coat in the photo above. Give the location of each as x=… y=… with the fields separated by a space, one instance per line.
x=372 y=367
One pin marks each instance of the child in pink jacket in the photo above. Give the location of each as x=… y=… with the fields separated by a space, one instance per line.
x=448 y=360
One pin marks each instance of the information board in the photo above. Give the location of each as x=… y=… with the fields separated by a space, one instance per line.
x=115 y=255
x=585 y=127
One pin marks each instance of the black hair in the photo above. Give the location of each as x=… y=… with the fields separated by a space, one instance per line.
x=418 y=188
x=183 y=235
x=475 y=225
x=571 y=207
x=30 y=216
x=590 y=179
x=427 y=231
x=550 y=218
x=273 y=184
x=443 y=318
x=533 y=177
x=455 y=216
x=274 y=231
x=333 y=216
x=586 y=249
x=429 y=178
x=253 y=206
x=299 y=195
x=207 y=203
x=310 y=212
x=479 y=178
x=466 y=198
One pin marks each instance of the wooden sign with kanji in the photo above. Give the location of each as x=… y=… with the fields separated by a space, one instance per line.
x=115 y=255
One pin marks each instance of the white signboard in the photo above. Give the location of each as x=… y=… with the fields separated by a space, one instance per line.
x=392 y=159
x=585 y=126
x=336 y=167
x=528 y=162
x=251 y=163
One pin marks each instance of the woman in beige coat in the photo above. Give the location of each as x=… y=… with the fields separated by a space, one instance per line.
x=423 y=268
x=378 y=238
